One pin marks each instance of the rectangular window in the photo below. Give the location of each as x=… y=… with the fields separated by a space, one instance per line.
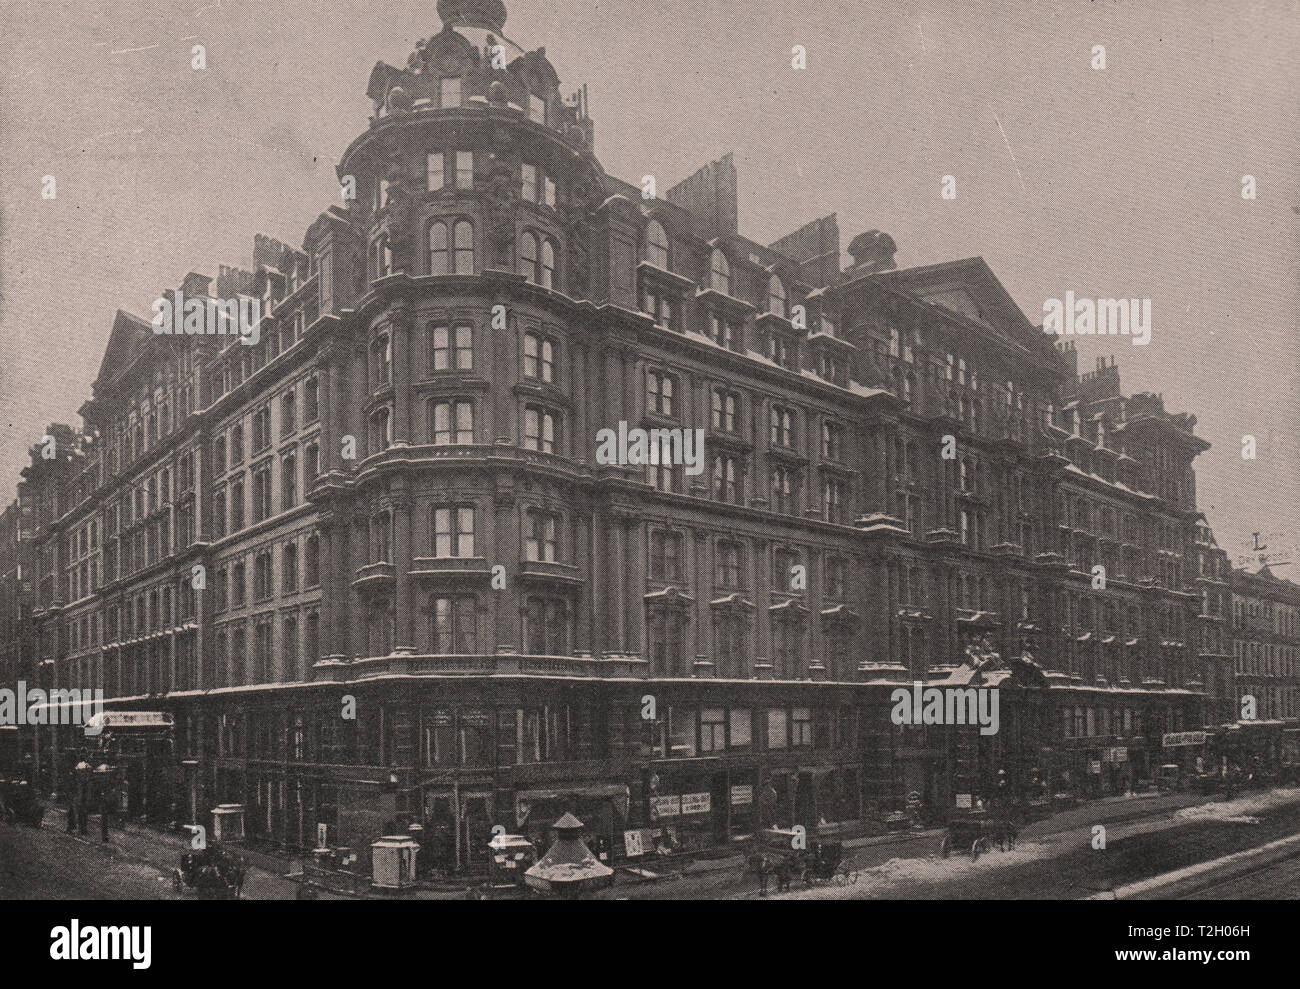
x=449 y=91
x=540 y=543
x=777 y=737
x=536 y=109
x=453 y=423
x=528 y=174
x=713 y=730
x=741 y=723
x=464 y=169
x=801 y=728
x=453 y=528
x=540 y=429
x=434 y=172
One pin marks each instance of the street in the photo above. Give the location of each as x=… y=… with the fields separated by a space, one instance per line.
x=1146 y=837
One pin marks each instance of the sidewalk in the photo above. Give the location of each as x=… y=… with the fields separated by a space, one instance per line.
x=159 y=848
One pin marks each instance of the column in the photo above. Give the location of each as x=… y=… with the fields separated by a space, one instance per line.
x=400 y=330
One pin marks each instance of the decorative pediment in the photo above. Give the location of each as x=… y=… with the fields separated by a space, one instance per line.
x=129 y=331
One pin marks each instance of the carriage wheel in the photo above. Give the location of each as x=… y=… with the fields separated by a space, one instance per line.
x=977 y=846
x=945 y=846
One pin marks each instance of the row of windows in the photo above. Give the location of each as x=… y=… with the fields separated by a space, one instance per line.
x=230 y=582
x=230 y=502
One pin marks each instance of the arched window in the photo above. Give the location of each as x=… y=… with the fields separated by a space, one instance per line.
x=721 y=277
x=463 y=245
x=548 y=264
x=656 y=245
x=776 y=296
x=528 y=256
x=438 y=248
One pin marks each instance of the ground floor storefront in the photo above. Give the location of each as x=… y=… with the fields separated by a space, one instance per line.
x=652 y=769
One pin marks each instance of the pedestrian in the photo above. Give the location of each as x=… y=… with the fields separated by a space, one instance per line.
x=103 y=817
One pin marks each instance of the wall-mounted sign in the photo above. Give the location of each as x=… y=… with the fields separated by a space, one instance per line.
x=1178 y=738
x=696 y=803
x=634 y=842
x=963 y=801
x=742 y=795
x=666 y=806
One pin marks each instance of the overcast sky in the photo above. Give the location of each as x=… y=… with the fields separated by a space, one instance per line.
x=1117 y=183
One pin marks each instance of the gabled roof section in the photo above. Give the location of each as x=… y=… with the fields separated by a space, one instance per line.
x=128 y=334
x=970 y=289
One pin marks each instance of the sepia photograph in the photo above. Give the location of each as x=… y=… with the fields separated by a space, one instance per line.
x=600 y=450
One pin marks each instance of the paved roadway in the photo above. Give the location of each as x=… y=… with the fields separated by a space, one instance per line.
x=1064 y=864
x=1146 y=836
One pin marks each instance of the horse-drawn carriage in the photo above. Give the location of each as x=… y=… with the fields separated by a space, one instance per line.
x=19 y=803
x=979 y=829
x=787 y=854
x=214 y=872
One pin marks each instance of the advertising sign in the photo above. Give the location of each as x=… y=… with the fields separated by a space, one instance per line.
x=696 y=803
x=666 y=807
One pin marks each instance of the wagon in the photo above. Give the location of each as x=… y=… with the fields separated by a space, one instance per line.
x=214 y=873
x=19 y=803
x=776 y=855
x=979 y=830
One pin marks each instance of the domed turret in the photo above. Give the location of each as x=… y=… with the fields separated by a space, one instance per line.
x=487 y=14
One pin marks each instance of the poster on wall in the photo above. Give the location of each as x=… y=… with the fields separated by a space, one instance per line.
x=696 y=803
x=661 y=807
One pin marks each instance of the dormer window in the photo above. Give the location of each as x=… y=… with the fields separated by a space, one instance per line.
x=536 y=109
x=782 y=350
x=656 y=244
x=720 y=278
x=776 y=297
x=449 y=91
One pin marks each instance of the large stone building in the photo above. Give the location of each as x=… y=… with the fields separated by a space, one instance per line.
x=1266 y=653
x=377 y=573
